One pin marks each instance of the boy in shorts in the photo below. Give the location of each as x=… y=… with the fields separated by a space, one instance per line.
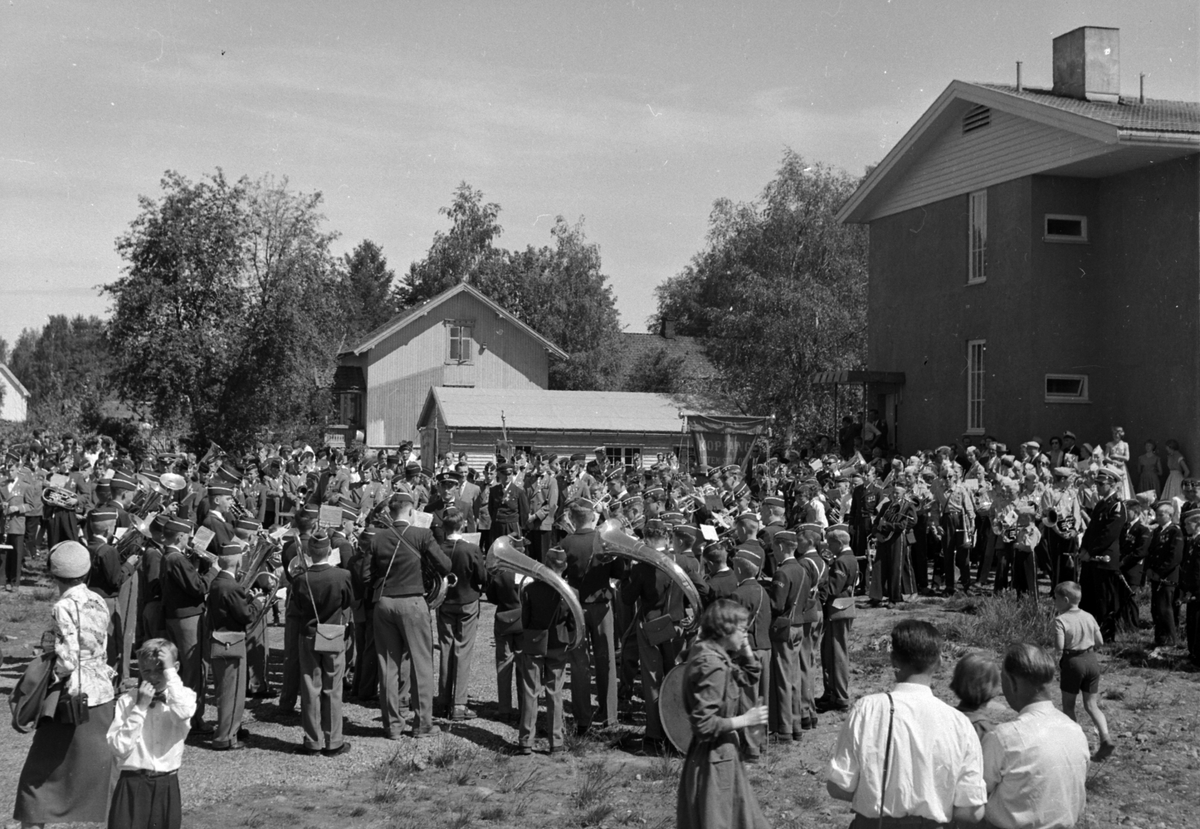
x=1076 y=637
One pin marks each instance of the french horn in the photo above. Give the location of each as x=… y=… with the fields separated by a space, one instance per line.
x=436 y=586
x=503 y=556
x=621 y=543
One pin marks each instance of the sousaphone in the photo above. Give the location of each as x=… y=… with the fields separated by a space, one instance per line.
x=503 y=556
x=623 y=544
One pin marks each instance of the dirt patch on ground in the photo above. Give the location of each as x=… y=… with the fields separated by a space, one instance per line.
x=466 y=778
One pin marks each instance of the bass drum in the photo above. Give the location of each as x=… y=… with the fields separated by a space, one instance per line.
x=671 y=710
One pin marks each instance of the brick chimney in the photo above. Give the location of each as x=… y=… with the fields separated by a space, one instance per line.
x=666 y=328
x=1087 y=64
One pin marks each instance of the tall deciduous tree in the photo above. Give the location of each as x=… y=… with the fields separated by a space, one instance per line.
x=779 y=293
x=559 y=290
x=227 y=318
x=366 y=289
x=65 y=367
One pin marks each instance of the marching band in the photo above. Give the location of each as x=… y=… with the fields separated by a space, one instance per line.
x=207 y=553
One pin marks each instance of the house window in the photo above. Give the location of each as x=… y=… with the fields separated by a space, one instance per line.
x=975 y=352
x=622 y=455
x=1067 y=388
x=1060 y=228
x=460 y=347
x=349 y=407
x=977 y=263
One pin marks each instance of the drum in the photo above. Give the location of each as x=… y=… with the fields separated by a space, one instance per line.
x=671 y=710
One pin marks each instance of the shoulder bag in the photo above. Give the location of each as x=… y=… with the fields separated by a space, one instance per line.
x=227 y=644
x=29 y=699
x=328 y=638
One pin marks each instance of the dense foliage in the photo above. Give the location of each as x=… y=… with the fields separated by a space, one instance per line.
x=227 y=320
x=779 y=292
x=65 y=368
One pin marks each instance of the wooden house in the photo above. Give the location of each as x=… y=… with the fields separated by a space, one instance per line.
x=14 y=399
x=459 y=339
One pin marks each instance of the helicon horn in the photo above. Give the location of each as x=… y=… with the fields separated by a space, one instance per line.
x=503 y=556
x=622 y=543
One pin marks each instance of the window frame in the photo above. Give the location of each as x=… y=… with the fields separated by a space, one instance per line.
x=976 y=222
x=453 y=326
x=976 y=374
x=1060 y=239
x=1083 y=397
x=626 y=456
x=353 y=401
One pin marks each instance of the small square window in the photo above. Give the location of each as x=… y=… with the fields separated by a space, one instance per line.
x=1061 y=228
x=1067 y=388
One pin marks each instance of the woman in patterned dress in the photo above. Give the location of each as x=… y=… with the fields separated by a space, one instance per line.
x=70 y=771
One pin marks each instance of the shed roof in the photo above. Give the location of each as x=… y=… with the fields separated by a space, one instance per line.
x=565 y=411
x=374 y=338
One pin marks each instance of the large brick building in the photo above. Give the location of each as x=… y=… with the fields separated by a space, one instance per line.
x=1035 y=261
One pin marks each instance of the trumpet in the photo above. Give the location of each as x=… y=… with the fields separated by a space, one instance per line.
x=623 y=544
x=503 y=556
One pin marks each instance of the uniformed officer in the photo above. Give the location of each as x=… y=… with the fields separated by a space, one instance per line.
x=185 y=582
x=656 y=627
x=507 y=504
x=752 y=596
x=548 y=627
x=837 y=603
x=1101 y=556
x=227 y=617
x=786 y=709
x=815 y=570
x=1163 y=560
x=398 y=555
x=894 y=534
x=458 y=617
x=591 y=574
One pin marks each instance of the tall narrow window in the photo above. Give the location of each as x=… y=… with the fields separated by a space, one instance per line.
x=977 y=264
x=975 y=352
x=461 y=335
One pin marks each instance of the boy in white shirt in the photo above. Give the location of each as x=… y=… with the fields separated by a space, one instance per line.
x=147 y=734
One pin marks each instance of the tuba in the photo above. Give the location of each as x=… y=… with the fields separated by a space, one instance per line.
x=623 y=544
x=436 y=585
x=503 y=556
x=59 y=498
x=135 y=539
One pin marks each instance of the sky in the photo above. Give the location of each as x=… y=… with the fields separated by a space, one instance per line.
x=635 y=116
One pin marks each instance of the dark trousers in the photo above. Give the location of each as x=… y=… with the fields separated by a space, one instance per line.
x=656 y=660
x=143 y=799
x=1162 y=611
x=321 y=677
x=403 y=636
x=835 y=661
x=14 y=561
x=1024 y=572
x=1100 y=597
x=257 y=680
x=785 y=707
x=539 y=543
x=896 y=568
x=1192 y=622
x=188 y=635
x=810 y=636
x=954 y=554
x=924 y=550
x=229 y=682
x=506 y=665
x=1062 y=565
x=289 y=686
x=33 y=523
x=598 y=620
x=456 y=626
x=366 y=667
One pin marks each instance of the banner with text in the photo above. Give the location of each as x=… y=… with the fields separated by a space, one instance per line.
x=720 y=441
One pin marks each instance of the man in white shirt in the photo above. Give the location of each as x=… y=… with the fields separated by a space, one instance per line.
x=906 y=755
x=1035 y=766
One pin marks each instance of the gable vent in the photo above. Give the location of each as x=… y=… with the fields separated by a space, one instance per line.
x=976 y=119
